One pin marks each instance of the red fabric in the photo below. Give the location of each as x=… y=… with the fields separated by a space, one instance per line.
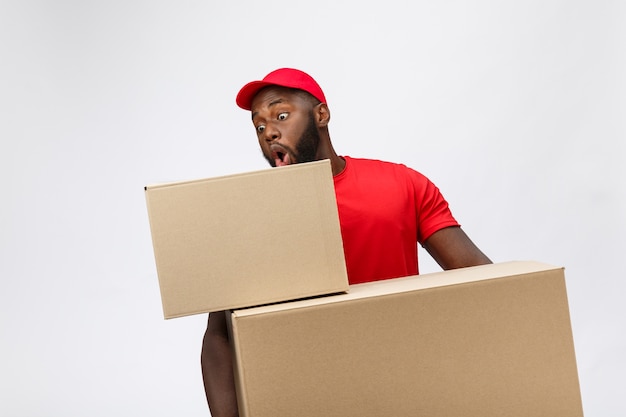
x=284 y=77
x=384 y=210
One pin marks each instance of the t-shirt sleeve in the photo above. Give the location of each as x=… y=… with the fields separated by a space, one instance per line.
x=432 y=210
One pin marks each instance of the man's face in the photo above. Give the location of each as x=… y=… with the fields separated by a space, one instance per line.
x=285 y=126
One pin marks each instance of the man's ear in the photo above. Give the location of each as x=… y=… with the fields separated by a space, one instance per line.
x=322 y=115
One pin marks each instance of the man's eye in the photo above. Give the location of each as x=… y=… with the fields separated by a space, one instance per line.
x=283 y=116
x=260 y=128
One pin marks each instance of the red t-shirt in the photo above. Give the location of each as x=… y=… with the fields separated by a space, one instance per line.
x=384 y=210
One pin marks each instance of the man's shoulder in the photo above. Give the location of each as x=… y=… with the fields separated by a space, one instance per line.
x=376 y=164
x=367 y=169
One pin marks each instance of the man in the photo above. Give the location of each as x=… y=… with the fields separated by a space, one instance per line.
x=385 y=209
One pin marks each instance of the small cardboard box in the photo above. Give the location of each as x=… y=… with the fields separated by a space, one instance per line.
x=246 y=239
x=486 y=341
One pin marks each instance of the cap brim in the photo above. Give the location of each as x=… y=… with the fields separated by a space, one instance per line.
x=247 y=93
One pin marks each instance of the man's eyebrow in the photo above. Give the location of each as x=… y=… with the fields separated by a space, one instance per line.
x=272 y=103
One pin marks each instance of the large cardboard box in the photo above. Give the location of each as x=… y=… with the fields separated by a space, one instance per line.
x=246 y=239
x=488 y=341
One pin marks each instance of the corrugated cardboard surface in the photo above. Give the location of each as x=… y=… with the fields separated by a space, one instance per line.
x=246 y=239
x=486 y=341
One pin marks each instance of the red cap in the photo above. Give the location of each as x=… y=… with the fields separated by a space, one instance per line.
x=283 y=77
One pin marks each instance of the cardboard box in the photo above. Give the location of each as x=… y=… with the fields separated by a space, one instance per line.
x=486 y=341
x=247 y=239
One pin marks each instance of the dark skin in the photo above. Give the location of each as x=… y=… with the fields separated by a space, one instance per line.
x=217 y=368
x=281 y=117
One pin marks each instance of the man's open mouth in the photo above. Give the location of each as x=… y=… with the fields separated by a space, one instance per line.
x=281 y=157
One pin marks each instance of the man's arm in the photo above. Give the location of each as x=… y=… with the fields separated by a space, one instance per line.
x=452 y=249
x=217 y=368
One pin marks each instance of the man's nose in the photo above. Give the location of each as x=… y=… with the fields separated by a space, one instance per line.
x=271 y=133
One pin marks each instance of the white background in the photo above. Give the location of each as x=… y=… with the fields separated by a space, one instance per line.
x=514 y=108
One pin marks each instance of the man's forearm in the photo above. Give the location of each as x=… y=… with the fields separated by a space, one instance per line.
x=217 y=368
